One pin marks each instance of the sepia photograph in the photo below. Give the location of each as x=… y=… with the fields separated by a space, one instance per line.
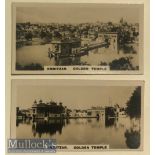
x=77 y=77
x=108 y=113
x=76 y=38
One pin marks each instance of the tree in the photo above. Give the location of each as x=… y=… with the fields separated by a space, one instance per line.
x=57 y=35
x=28 y=36
x=122 y=63
x=29 y=67
x=134 y=104
x=132 y=139
x=110 y=23
x=42 y=34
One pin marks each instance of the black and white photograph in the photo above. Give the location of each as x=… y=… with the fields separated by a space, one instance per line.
x=77 y=38
x=76 y=114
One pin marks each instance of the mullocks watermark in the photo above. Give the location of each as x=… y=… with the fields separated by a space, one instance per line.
x=31 y=145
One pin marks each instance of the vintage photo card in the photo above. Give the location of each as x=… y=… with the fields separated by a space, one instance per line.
x=79 y=115
x=77 y=38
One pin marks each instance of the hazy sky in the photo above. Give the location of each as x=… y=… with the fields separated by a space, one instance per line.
x=83 y=97
x=77 y=13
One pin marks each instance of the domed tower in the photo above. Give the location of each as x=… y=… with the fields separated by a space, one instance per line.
x=40 y=101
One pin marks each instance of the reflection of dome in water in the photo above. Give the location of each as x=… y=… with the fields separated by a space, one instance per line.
x=50 y=127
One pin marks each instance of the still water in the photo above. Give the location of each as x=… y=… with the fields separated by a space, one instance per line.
x=39 y=54
x=118 y=133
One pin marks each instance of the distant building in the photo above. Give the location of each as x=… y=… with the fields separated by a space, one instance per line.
x=96 y=112
x=78 y=114
x=115 y=111
x=19 y=114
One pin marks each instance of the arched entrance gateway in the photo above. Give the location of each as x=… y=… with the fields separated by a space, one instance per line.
x=112 y=38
